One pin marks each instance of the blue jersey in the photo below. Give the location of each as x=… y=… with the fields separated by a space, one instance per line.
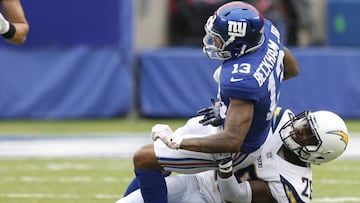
x=257 y=77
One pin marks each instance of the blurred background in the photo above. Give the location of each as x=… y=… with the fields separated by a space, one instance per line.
x=142 y=58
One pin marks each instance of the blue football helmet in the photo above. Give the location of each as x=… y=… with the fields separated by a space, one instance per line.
x=235 y=29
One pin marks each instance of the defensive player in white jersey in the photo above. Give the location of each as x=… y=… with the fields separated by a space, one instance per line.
x=282 y=173
x=254 y=64
x=283 y=170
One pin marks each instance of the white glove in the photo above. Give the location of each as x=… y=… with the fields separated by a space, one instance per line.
x=161 y=131
x=4 y=25
x=165 y=134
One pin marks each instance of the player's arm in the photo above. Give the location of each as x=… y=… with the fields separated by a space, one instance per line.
x=255 y=191
x=291 y=68
x=14 y=13
x=238 y=120
x=261 y=192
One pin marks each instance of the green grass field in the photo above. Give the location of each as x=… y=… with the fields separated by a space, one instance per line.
x=104 y=180
x=83 y=126
x=101 y=126
x=59 y=180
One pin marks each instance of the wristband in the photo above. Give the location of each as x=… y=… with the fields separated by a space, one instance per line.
x=226 y=167
x=10 y=33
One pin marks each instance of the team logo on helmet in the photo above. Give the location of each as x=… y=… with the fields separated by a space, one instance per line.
x=343 y=135
x=237 y=29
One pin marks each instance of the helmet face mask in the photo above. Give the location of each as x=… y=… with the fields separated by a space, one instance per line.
x=240 y=28
x=214 y=44
x=317 y=137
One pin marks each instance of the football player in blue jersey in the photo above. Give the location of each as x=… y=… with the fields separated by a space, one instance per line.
x=255 y=63
x=13 y=24
x=282 y=173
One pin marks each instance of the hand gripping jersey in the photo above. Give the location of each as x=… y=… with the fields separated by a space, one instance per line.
x=288 y=182
x=255 y=76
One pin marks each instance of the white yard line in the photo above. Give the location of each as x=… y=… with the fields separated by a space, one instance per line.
x=96 y=146
x=62 y=147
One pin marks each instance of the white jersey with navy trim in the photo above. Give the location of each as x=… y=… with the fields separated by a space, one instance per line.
x=288 y=182
x=291 y=183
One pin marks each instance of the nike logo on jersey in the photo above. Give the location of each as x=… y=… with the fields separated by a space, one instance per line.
x=232 y=79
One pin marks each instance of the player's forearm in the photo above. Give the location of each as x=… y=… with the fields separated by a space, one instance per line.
x=232 y=191
x=213 y=144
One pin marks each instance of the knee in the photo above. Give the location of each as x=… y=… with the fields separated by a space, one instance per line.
x=140 y=156
x=145 y=158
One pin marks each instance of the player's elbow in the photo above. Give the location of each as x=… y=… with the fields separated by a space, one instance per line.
x=233 y=142
x=18 y=41
x=291 y=71
x=20 y=36
x=291 y=67
x=234 y=146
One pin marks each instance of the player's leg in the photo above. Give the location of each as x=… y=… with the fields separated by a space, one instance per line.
x=149 y=174
x=151 y=159
x=134 y=184
x=149 y=171
x=182 y=188
x=133 y=197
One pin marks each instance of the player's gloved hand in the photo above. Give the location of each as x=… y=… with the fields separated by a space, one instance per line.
x=225 y=165
x=175 y=142
x=211 y=115
x=161 y=131
x=4 y=25
x=165 y=134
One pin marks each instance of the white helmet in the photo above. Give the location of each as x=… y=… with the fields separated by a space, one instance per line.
x=315 y=137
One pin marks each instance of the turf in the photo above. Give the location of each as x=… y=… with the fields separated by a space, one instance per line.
x=60 y=180
x=101 y=125
x=104 y=180
x=83 y=126
x=338 y=179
